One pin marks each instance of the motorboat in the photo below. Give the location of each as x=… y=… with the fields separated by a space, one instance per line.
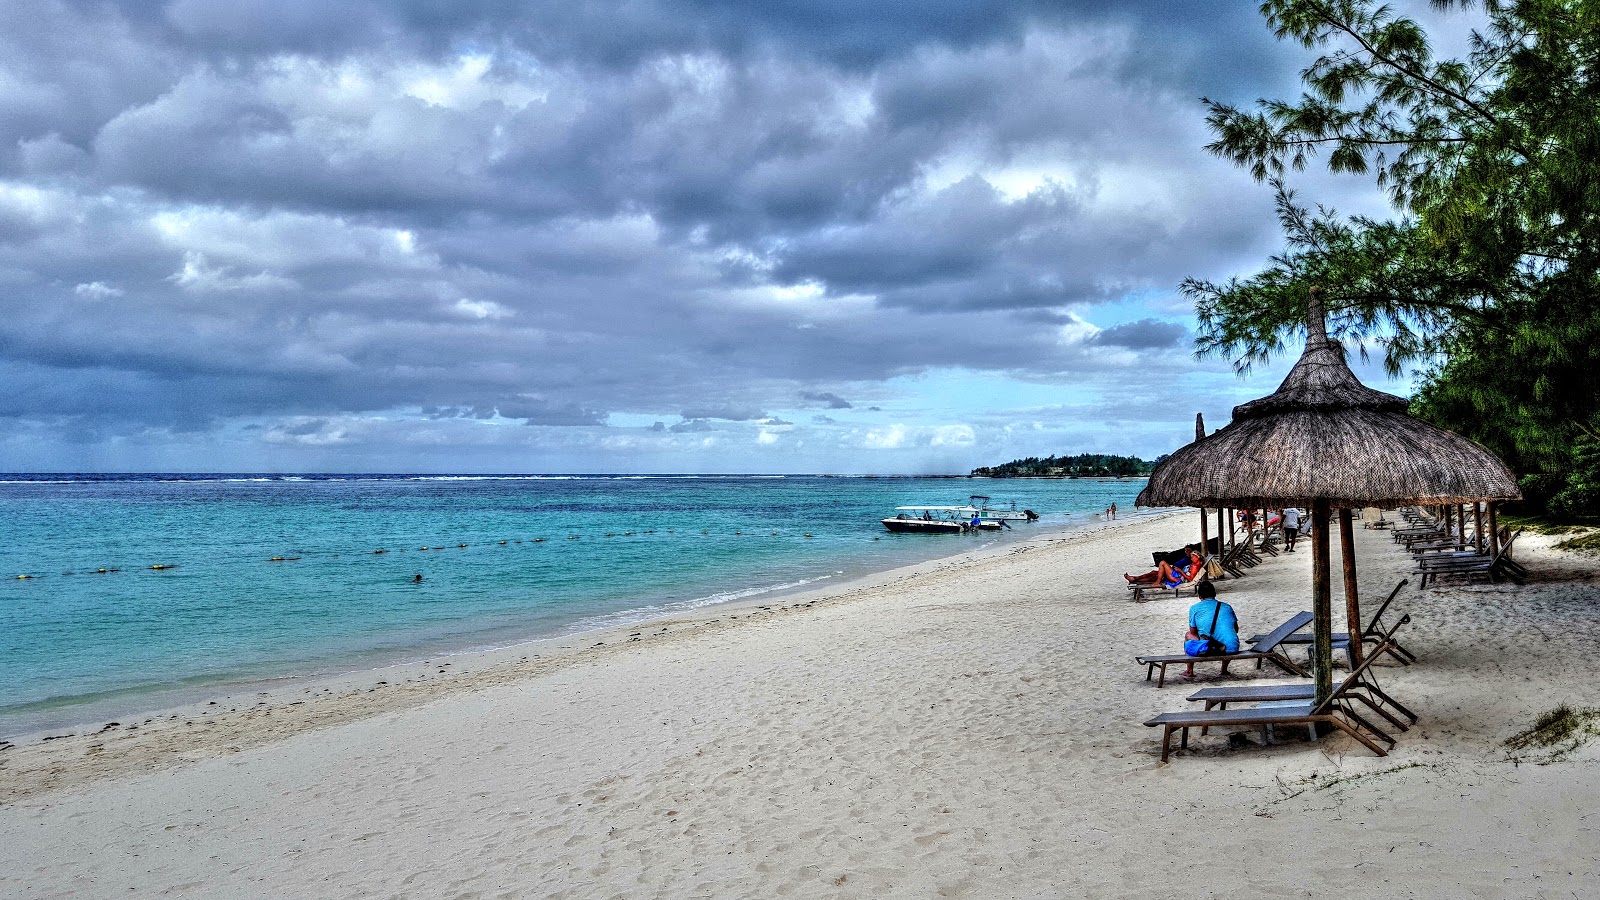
x=989 y=513
x=940 y=520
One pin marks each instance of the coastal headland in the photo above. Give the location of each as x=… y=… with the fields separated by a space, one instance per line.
x=969 y=727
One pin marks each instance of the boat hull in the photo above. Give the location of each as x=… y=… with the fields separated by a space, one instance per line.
x=923 y=526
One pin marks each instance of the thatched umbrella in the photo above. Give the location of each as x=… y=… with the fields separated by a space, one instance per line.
x=1325 y=438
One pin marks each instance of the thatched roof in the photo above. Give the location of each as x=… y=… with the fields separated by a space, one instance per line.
x=1324 y=435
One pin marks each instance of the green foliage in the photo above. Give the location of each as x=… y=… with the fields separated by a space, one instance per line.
x=1579 y=496
x=1489 y=278
x=1084 y=464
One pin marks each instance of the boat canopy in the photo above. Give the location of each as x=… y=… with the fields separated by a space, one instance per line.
x=961 y=509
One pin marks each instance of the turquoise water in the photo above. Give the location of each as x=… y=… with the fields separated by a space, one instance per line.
x=613 y=548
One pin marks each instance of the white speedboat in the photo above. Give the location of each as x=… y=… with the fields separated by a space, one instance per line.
x=988 y=513
x=939 y=520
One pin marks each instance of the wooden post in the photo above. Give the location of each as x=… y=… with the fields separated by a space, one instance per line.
x=1220 y=548
x=1461 y=523
x=1494 y=531
x=1352 y=597
x=1477 y=527
x=1321 y=602
x=1233 y=534
x=1199 y=435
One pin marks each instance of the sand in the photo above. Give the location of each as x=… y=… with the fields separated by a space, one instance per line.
x=970 y=728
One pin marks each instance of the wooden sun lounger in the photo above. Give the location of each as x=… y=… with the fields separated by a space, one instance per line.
x=1263 y=650
x=1495 y=567
x=1364 y=689
x=1141 y=590
x=1373 y=632
x=1308 y=714
x=1238 y=558
x=1445 y=545
x=1334 y=712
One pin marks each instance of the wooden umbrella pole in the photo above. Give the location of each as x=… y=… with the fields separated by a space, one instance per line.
x=1461 y=523
x=1352 y=596
x=1204 y=538
x=1321 y=601
x=1220 y=549
x=1233 y=535
x=1494 y=530
x=1477 y=527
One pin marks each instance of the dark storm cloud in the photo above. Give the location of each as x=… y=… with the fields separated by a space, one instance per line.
x=831 y=400
x=543 y=413
x=333 y=217
x=851 y=35
x=729 y=413
x=1145 y=334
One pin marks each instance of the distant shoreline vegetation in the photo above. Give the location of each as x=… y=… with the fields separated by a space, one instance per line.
x=1083 y=465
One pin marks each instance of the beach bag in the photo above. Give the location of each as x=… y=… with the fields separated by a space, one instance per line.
x=1213 y=570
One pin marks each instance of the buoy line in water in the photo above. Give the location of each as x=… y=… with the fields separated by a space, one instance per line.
x=167 y=567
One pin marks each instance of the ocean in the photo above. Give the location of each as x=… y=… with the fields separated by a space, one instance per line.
x=146 y=588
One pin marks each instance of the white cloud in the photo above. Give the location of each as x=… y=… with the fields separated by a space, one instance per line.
x=200 y=277
x=890 y=438
x=97 y=290
x=952 y=436
x=481 y=309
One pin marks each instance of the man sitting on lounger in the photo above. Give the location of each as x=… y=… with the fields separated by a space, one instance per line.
x=1211 y=618
x=1169 y=575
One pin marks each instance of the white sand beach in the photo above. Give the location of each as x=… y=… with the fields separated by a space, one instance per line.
x=971 y=728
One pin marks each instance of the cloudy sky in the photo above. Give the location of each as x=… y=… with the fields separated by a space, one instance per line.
x=618 y=235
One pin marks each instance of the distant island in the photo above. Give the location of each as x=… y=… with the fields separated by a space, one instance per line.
x=1083 y=465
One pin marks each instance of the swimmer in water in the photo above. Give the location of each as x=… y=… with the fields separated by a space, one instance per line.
x=417 y=578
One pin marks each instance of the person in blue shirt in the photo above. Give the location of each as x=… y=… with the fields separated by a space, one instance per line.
x=1201 y=616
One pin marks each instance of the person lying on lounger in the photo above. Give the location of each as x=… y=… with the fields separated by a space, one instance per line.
x=1169 y=575
x=1210 y=618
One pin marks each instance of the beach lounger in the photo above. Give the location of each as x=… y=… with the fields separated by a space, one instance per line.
x=1141 y=592
x=1449 y=543
x=1373 y=633
x=1238 y=558
x=1496 y=567
x=1263 y=650
x=1334 y=712
x=1364 y=689
x=1268 y=541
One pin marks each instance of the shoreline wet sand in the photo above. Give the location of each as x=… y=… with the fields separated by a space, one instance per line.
x=970 y=727
x=231 y=717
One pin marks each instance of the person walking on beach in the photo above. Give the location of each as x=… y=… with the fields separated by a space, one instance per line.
x=1213 y=627
x=1113 y=510
x=1291 y=528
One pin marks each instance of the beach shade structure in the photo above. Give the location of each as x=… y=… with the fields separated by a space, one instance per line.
x=1325 y=440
